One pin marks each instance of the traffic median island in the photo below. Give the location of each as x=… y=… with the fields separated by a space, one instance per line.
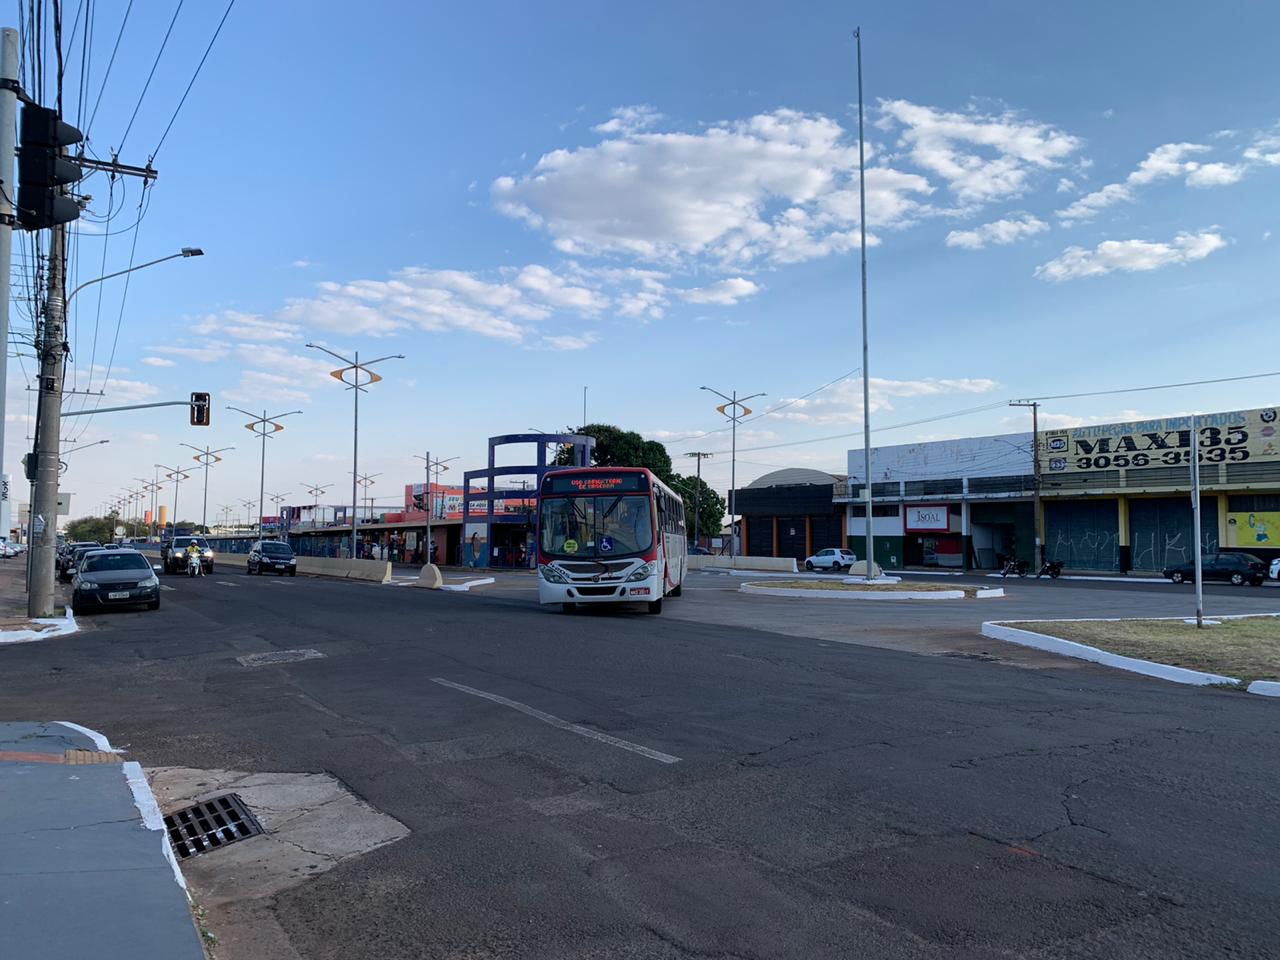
x=1236 y=650
x=874 y=590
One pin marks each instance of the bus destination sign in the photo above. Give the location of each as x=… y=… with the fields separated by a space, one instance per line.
x=603 y=483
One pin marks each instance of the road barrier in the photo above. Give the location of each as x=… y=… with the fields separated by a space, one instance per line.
x=778 y=564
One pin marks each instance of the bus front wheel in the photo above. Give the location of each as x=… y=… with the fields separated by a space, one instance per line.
x=655 y=606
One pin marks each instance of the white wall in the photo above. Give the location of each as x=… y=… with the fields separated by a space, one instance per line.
x=1006 y=455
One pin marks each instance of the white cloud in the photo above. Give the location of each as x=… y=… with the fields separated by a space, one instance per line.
x=1065 y=421
x=842 y=402
x=147 y=437
x=208 y=353
x=778 y=187
x=726 y=293
x=982 y=157
x=1129 y=256
x=157 y=362
x=301 y=264
x=999 y=232
x=257 y=386
x=1266 y=235
x=1108 y=113
x=1066 y=185
x=569 y=341
x=552 y=289
x=1164 y=162
x=315 y=366
x=626 y=120
x=118 y=391
x=246 y=326
x=1265 y=148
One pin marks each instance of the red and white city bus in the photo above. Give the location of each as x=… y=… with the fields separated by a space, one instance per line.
x=609 y=535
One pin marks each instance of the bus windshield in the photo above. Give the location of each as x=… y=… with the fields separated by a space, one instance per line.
x=595 y=527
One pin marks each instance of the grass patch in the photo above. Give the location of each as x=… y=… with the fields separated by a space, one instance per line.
x=1248 y=648
x=840 y=586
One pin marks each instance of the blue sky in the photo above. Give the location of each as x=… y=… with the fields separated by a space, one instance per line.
x=528 y=200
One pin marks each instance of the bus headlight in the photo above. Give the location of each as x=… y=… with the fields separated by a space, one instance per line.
x=643 y=572
x=552 y=575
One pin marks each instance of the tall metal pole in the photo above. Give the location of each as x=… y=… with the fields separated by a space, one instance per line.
x=262 y=475
x=1195 y=517
x=733 y=482
x=1038 y=556
x=866 y=367
x=44 y=509
x=584 y=406
x=355 y=457
x=8 y=193
x=427 y=500
x=697 y=500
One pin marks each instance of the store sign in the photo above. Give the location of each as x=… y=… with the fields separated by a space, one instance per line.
x=1253 y=529
x=928 y=518
x=1238 y=437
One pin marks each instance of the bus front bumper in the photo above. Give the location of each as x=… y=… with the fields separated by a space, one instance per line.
x=636 y=591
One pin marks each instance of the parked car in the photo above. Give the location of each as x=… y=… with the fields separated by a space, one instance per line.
x=833 y=558
x=1235 y=568
x=699 y=552
x=268 y=555
x=71 y=558
x=173 y=555
x=114 y=578
x=1275 y=569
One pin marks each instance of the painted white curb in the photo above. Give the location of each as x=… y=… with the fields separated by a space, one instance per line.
x=1081 y=651
x=152 y=819
x=761 y=590
x=468 y=585
x=99 y=741
x=1265 y=688
x=1081 y=576
x=61 y=627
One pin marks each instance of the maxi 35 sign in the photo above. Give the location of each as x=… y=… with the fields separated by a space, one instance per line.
x=1242 y=436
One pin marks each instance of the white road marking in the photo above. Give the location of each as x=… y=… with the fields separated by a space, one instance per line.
x=226 y=583
x=561 y=724
x=165 y=586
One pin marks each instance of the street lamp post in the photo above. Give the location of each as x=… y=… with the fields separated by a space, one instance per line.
x=177 y=475
x=276 y=500
x=184 y=252
x=206 y=458
x=258 y=426
x=428 y=499
x=357 y=386
x=316 y=489
x=735 y=411
x=248 y=505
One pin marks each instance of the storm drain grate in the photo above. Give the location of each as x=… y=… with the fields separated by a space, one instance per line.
x=210 y=825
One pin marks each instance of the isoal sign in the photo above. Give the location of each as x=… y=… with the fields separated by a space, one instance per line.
x=1237 y=437
x=928 y=518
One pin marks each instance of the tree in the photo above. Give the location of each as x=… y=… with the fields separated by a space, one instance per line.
x=101 y=529
x=616 y=447
x=702 y=502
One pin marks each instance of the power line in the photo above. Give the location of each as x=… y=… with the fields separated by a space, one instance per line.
x=1162 y=386
x=155 y=63
x=110 y=63
x=178 y=109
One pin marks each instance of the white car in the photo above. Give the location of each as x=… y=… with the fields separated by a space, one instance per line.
x=833 y=558
x=1275 y=569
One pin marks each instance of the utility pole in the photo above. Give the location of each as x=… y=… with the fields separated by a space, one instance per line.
x=8 y=146
x=697 y=500
x=427 y=501
x=584 y=406
x=1038 y=556
x=177 y=475
x=866 y=366
x=1195 y=518
x=263 y=426
x=44 y=508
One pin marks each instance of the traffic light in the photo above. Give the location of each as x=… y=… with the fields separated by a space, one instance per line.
x=419 y=501
x=42 y=169
x=199 y=409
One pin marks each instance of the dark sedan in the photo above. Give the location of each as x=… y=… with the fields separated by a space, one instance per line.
x=266 y=556
x=114 y=578
x=1234 y=568
x=72 y=557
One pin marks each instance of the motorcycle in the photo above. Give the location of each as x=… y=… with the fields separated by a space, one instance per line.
x=1051 y=567
x=193 y=566
x=1016 y=567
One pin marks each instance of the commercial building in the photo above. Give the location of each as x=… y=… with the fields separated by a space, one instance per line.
x=1113 y=497
x=790 y=513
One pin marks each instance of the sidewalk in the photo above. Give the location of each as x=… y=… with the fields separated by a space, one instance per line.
x=14 y=625
x=85 y=866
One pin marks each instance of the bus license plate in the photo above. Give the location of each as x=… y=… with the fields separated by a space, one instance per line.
x=118 y=595
x=639 y=591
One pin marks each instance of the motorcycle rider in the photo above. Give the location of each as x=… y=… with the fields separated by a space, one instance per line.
x=193 y=556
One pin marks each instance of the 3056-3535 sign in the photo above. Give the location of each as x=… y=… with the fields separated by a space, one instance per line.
x=1235 y=437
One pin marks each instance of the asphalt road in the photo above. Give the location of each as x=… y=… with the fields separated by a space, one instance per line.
x=622 y=785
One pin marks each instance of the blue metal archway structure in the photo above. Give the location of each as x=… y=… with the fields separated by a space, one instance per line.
x=478 y=524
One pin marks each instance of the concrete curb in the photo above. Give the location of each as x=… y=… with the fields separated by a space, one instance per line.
x=800 y=593
x=62 y=626
x=1265 y=688
x=152 y=819
x=1069 y=648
